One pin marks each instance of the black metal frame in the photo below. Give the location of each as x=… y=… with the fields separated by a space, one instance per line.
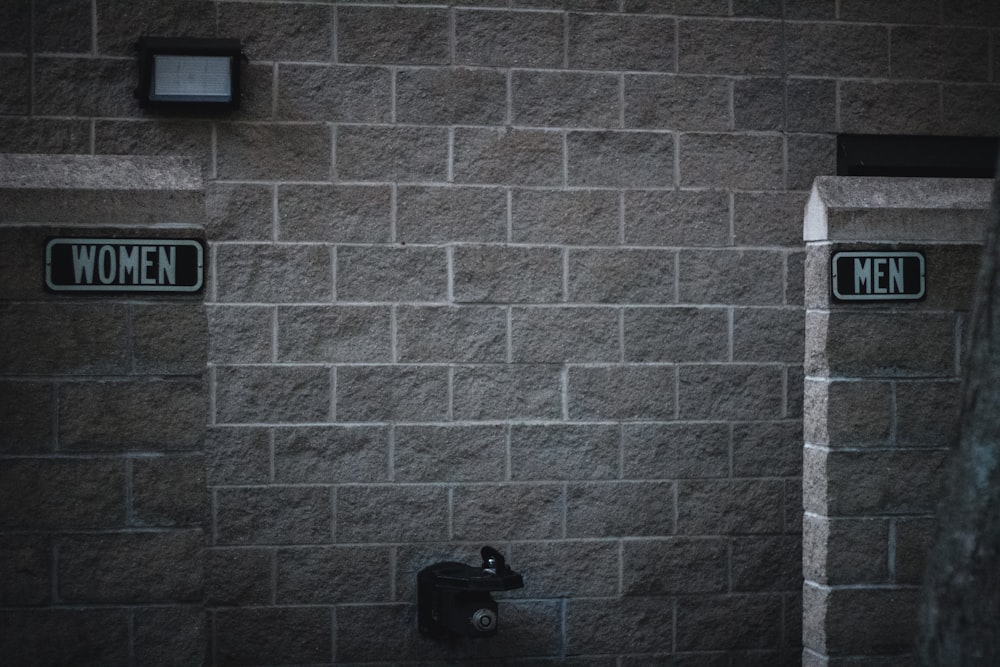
x=905 y=155
x=148 y=47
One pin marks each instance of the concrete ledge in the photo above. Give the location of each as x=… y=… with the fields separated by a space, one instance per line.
x=99 y=172
x=842 y=208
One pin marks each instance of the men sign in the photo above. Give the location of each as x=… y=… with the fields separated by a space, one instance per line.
x=124 y=265
x=878 y=276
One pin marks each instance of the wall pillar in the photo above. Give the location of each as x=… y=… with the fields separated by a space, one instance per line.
x=881 y=405
x=103 y=409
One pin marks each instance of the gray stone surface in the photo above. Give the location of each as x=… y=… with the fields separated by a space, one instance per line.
x=564 y=99
x=501 y=511
x=462 y=96
x=285 y=394
x=371 y=513
x=240 y=334
x=768 y=334
x=919 y=11
x=677 y=218
x=631 y=391
x=331 y=454
x=96 y=172
x=26 y=424
x=91 y=494
x=707 y=160
x=314 y=334
x=355 y=574
x=169 y=491
x=279 y=31
x=647 y=625
x=274 y=634
x=169 y=339
x=588 y=217
x=842 y=50
x=25 y=134
x=729 y=506
x=733 y=622
x=449 y=214
x=568 y=335
x=705 y=47
x=391 y=273
x=296 y=152
x=890 y=107
x=84 y=86
x=340 y=94
x=675 y=450
x=622 y=276
x=448 y=334
x=759 y=104
x=768 y=448
x=391 y=393
x=524 y=391
x=507 y=274
x=508 y=39
x=621 y=42
x=551 y=573
x=449 y=453
x=621 y=159
x=675 y=566
x=273 y=515
x=238 y=576
x=172 y=635
x=392 y=35
x=508 y=156
x=731 y=392
x=391 y=153
x=846 y=551
x=849 y=413
x=334 y=213
x=570 y=452
x=656 y=101
x=269 y=273
x=940 y=54
x=677 y=334
x=737 y=276
x=27 y=560
x=236 y=211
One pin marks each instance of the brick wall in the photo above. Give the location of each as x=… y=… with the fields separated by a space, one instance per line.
x=526 y=273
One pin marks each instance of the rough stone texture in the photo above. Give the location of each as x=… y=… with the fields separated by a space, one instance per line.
x=527 y=391
x=334 y=214
x=622 y=392
x=439 y=215
x=238 y=211
x=341 y=94
x=842 y=50
x=266 y=273
x=390 y=153
x=676 y=334
x=449 y=453
x=622 y=159
x=564 y=452
x=622 y=276
x=331 y=454
x=621 y=42
x=663 y=567
x=26 y=424
x=440 y=334
x=746 y=277
x=936 y=54
x=279 y=31
x=288 y=394
x=707 y=158
x=647 y=624
x=569 y=335
x=380 y=273
x=508 y=156
x=240 y=334
x=508 y=39
x=722 y=507
x=572 y=218
x=564 y=99
x=705 y=47
x=676 y=102
x=391 y=393
x=297 y=152
x=168 y=491
x=171 y=636
x=273 y=515
x=356 y=574
x=451 y=96
x=314 y=334
x=886 y=107
x=507 y=274
x=369 y=513
x=675 y=451
x=677 y=218
x=273 y=634
x=738 y=621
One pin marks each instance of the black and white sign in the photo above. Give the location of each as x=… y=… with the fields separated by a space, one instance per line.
x=878 y=276
x=124 y=265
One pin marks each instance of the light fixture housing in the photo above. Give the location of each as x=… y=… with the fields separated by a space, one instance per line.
x=189 y=74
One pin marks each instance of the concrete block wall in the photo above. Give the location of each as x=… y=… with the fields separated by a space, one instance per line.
x=103 y=413
x=882 y=396
x=518 y=272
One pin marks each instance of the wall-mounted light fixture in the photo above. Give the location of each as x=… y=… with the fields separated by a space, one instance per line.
x=188 y=73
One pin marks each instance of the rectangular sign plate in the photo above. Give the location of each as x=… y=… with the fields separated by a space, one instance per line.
x=124 y=265
x=878 y=276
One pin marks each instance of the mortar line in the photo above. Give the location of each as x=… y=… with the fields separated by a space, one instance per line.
x=333 y=393
x=272 y=472
x=391 y=452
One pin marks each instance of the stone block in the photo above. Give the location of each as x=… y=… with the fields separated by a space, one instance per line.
x=508 y=511
x=862 y=483
x=564 y=99
x=393 y=513
x=896 y=344
x=730 y=506
x=644 y=43
x=553 y=573
x=795 y=278
x=240 y=334
x=26 y=417
x=849 y=413
x=239 y=212
x=559 y=451
x=619 y=509
x=64 y=338
x=238 y=577
x=620 y=159
x=845 y=551
x=681 y=7
x=948 y=54
x=914 y=539
x=117 y=27
x=269 y=394
x=676 y=334
x=809 y=156
x=392 y=35
x=622 y=276
x=131 y=568
x=838 y=50
x=280 y=32
x=450 y=214
x=730 y=392
x=237 y=455
x=173 y=636
x=273 y=635
x=621 y=392
x=527 y=391
x=675 y=451
x=956 y=268
x=971 y=12
x=65 y=636
x=264 y=273
x=644 y=624
x=968 y=108
x=811 y=105
x=768 y=334
x=22 y=134
x=75 y=207
x=449 y=453
x=168 y=491
x=567 y=335
x=677 y=218
x=26 y=561
x=273 y=515
x=705 y=46
x=140 y=137
x=14 y=77
x=334 y=213
x=314 y=334
x=334 y=93
x=451 y=96
x=738 y=161
x=84 y=86
x=16 y=15
x=917 y=11
x=467 y=334
x=675 y=566
x=72 y=494
x=258 y=82
x=330 y=575
x=768 y=218
x=169 y=339
x=890 y=107
x=758 y=104
x=729 y=622
x=331 y=454
x=928 y=413
x=762 y=449
x=130 y=415
x=508 y=39
x=861 y=621
x=391 y=393
x=391 y=273
x=391 y=153
x=667 y=102
x=507 y=274
x=767 y=563
x=258 y=151
x=507 y=156
x=580 y=217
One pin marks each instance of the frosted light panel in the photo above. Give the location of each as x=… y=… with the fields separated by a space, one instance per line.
x=191 y=78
